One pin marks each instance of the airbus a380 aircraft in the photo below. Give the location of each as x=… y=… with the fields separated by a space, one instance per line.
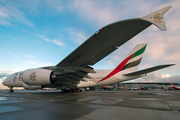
x=75 y=72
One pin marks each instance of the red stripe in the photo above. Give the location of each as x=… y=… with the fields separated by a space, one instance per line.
x=117 y=69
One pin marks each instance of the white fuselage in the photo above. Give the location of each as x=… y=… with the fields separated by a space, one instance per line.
x=15 y=80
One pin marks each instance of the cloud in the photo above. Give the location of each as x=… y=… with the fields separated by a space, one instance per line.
x=98 y=12
x=45 y=64
x=30 y=62
x=154 y=78
x=49 y=40
x=101 y=13
x=4 y=22
x=30 y=56
x=93 y=11
x=36 y=64
x=56 y=4
x=77 y=36
x=4 y=75
x=10 y=14
x=110 y=62
x=7 y=71
x=10 y=37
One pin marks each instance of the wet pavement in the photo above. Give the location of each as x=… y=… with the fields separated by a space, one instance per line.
x=90 y=105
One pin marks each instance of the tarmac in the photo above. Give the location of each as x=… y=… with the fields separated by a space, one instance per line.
x=90 y=105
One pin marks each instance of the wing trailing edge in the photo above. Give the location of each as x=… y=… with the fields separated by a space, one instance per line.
x=157 y=18
x=148 y=70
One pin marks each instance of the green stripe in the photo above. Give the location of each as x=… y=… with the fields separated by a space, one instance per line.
x=139 y=51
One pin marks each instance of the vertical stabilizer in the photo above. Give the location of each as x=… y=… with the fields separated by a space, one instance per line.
x=157 y=18
x=135 y=60
x=131 y=62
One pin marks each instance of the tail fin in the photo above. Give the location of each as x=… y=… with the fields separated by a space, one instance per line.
x=136 y=56
x=142 y=87
x=172 y=85
x=131 y=62
x=157 y=18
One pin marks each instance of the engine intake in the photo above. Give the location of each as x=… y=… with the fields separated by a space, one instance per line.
x=38 y=77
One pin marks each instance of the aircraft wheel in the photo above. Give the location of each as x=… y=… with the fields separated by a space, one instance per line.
x=63 y=90
x=11 y=91
x=71 y=90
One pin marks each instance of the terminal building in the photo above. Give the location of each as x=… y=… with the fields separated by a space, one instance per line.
x=131 y=86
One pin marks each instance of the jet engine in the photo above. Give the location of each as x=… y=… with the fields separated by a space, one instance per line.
x=38 y=77
x=32 y=87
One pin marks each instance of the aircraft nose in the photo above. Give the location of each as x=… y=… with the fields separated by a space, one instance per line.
x=4 y=82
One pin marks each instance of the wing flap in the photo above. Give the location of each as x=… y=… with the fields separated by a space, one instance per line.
x=148 y=70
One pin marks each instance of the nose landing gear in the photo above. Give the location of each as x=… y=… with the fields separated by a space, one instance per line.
x=11 y=90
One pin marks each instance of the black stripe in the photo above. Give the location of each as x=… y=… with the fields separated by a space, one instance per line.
x=132 y=64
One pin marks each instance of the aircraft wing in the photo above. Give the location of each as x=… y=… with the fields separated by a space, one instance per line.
x=110 y=37
x=104 y=42
x=148 y=70
x=76 y=66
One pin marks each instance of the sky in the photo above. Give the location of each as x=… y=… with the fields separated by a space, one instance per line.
x=39 y=33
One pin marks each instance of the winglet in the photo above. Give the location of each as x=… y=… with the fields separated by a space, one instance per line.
x=157 y=18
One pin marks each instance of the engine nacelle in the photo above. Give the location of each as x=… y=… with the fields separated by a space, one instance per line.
x=32 y=87
x=38 y=77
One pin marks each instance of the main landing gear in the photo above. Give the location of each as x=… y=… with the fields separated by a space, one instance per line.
x=11 y=90
x=71 y=90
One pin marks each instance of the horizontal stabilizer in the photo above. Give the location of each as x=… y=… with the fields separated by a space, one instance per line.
x=148 y=70
x=157 y=18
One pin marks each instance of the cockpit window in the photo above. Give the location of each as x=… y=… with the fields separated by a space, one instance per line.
x=20 y=75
